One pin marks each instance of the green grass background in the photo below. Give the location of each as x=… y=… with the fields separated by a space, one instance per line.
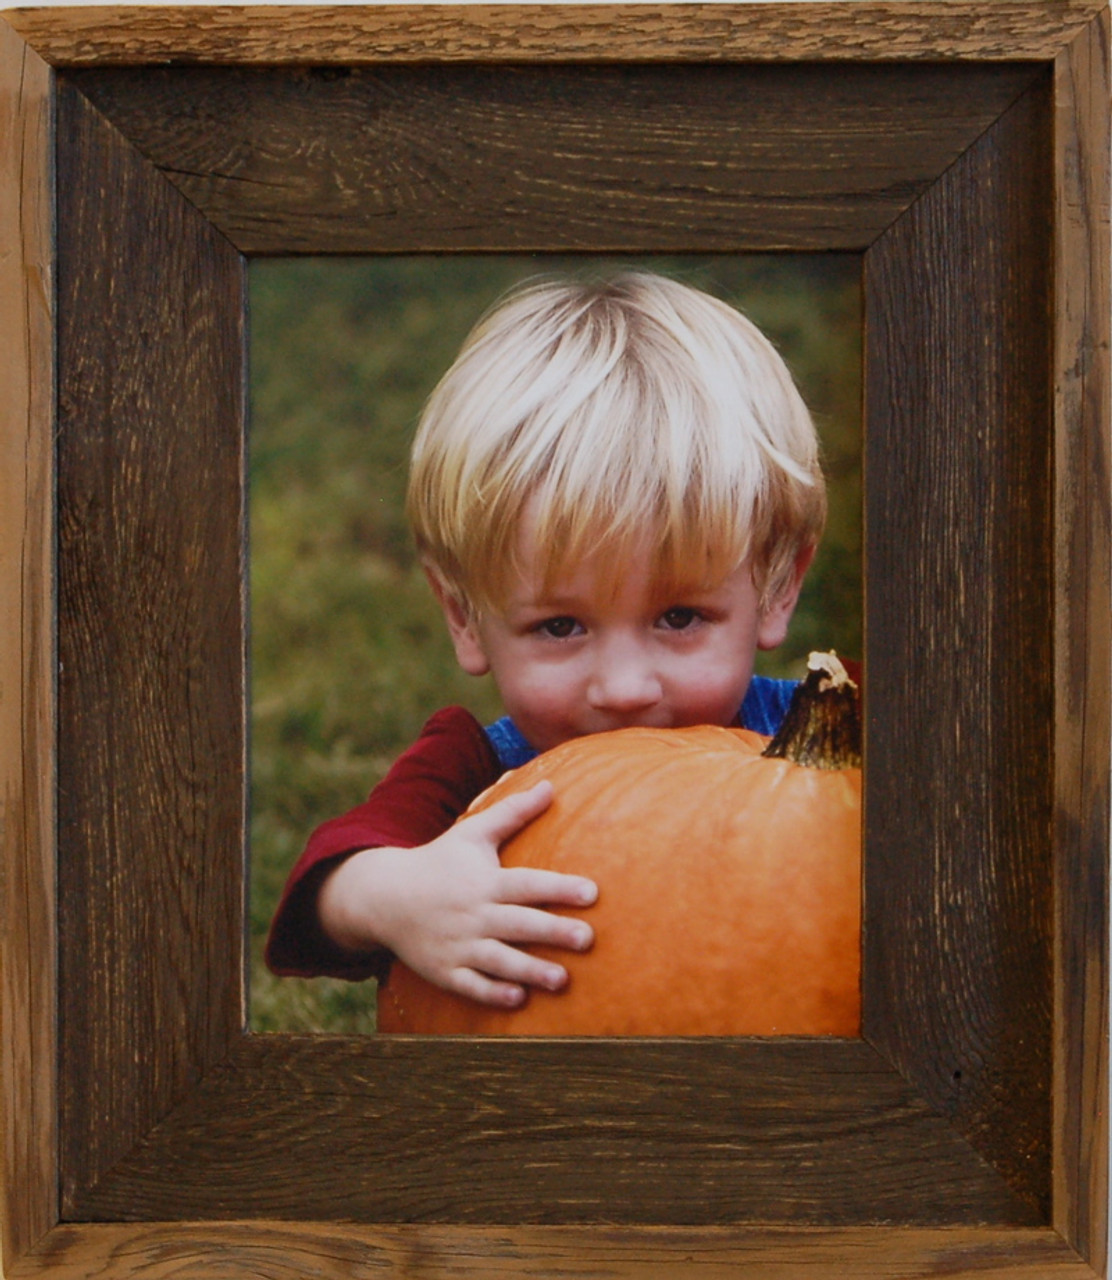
x=348 y=652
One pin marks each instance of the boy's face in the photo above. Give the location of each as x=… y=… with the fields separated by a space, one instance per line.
x=603 y=648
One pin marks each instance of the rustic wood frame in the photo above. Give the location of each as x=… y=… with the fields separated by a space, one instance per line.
x=967 y=1130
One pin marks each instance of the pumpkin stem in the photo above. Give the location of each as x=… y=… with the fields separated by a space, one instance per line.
x=822 y=729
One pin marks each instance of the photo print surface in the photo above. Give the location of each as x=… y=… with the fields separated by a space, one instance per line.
x=349 y=650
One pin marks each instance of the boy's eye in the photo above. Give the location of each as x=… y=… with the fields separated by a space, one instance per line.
x=678 y=618
x=558 y=628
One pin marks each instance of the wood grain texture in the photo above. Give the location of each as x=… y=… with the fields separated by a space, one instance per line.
x=154 y=1095
x=874 y=1150
x=337 y=1251
x=399 y=1129
x=533 y=158
x=360 y=34
x=959 y=918
x=150 y=625
x=1083 y=651
x=28 y=1199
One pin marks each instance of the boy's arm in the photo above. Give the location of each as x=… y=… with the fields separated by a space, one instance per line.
x=430 y=785
x=454 y=914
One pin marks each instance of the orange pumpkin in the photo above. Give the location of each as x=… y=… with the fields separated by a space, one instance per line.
x=729 y=893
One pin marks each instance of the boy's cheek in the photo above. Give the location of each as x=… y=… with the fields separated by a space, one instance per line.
x=537 y=704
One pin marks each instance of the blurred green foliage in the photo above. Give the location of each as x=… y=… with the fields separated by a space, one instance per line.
x=348 y=652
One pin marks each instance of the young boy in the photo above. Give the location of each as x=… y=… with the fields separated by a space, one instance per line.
x=615 y=493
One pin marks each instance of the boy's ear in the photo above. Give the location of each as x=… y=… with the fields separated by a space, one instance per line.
x=772 y=627
x=466 y=640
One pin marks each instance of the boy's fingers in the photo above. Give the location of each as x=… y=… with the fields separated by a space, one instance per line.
x=528 y=924
x=477 y=986
x=508 y=816
x=496 y=960
x=530 y=886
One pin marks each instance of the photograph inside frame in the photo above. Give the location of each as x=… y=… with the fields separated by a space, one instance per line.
x=350 y=654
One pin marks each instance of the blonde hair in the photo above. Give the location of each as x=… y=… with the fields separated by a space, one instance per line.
x=615 y=407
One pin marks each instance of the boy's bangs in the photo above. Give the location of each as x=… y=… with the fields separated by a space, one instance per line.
x=619 y=418
x=684 y=554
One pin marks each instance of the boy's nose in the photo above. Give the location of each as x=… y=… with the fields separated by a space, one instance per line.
x=623 y=684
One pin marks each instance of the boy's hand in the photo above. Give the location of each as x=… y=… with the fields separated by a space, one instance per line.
x=450 y=910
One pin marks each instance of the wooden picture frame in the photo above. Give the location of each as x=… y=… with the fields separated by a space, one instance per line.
x=962 y=151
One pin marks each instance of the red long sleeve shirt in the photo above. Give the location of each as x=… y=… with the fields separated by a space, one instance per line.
x=427 y=789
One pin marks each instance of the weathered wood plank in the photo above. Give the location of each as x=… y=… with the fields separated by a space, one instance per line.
x=1082 y=641
x=294 y=1250
x=269 y=1248
x=150 y=637
x=900 y=30
x=28 y=1196
x=649 y=158
x=959 y=922
x=401 y=1129
x=193 y=1157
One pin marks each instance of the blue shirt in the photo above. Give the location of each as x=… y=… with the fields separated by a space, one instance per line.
x=763 y=709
